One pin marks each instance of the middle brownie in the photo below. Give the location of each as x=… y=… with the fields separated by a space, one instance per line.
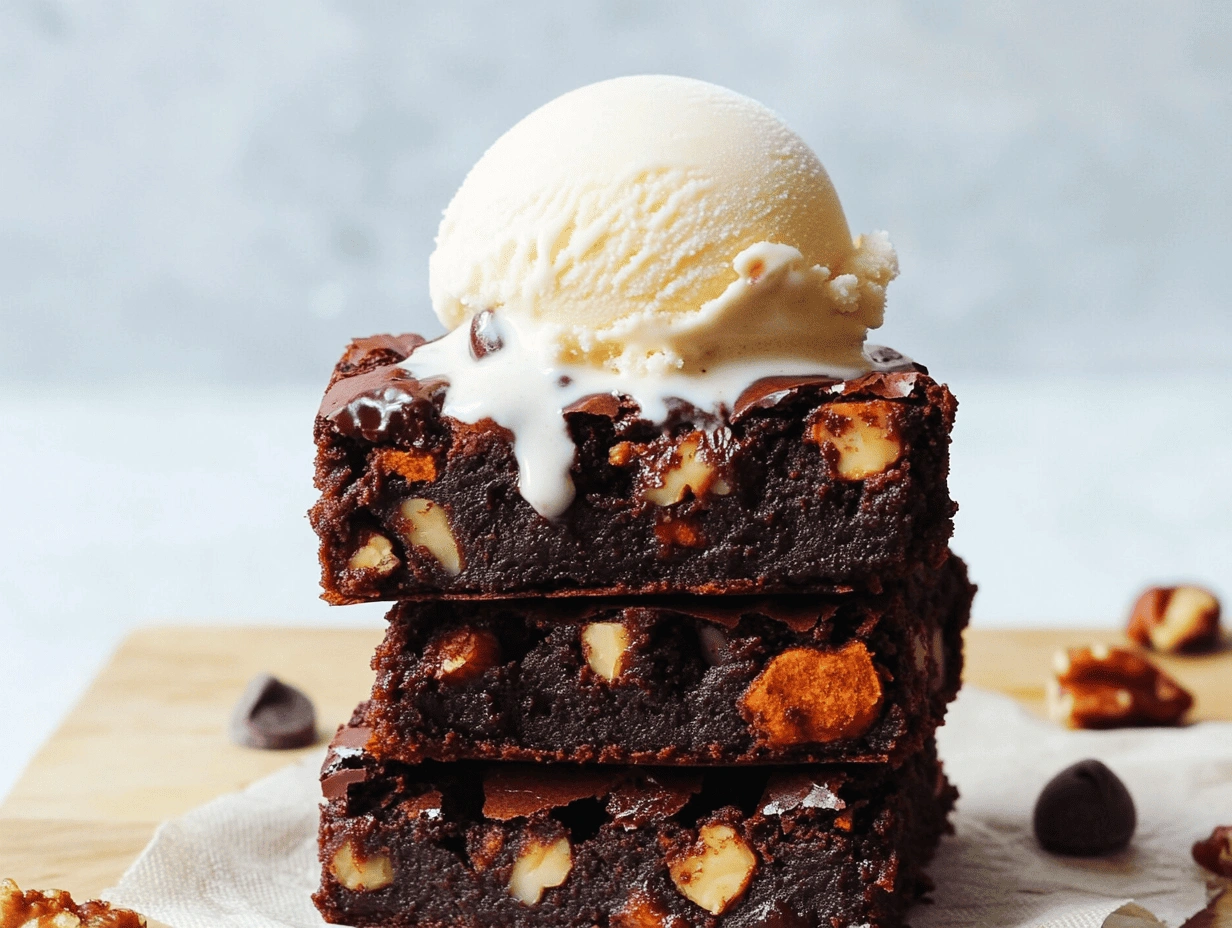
x=852 y=677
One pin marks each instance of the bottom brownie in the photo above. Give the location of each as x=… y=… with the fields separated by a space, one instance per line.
x=483 y=845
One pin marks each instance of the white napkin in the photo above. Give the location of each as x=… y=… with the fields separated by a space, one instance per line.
x=248 y=860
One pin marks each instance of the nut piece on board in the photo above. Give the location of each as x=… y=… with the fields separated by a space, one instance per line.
x=604 y=645
x=272 y=716
x=428 y=528
x=1215 y=853
x=359 y=873
x=1103 y=687
x=54 y=908
x=807 y=695
x=461 y=654
x=863 y=437
x=687 y=471
x=1084 y=811
x=1176 y=619
x=375 y=554
x=540 y=865
x=716 y=870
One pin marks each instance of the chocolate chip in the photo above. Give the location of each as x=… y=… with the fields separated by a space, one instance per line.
x=334 y=786
x=273 y=716
x=1084 y=811
x=714 y=645
x=485 y=335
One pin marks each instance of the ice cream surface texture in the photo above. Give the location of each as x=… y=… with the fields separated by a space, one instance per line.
x=649 y=223
x=655 y=237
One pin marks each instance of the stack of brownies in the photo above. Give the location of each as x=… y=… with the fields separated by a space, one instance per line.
x=705 y=695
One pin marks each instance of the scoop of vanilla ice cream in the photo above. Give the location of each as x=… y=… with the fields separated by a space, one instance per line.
x=652 y=223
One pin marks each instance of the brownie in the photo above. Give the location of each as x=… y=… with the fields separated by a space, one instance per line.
x=480 y=845
x=854 y=677
x=807 y=484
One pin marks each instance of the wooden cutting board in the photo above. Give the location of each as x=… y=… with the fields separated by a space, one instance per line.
x=148 y=739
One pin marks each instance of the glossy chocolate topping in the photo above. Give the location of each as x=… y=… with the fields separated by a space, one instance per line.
x=370 y=405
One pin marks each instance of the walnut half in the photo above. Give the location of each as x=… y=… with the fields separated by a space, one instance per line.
x=716 y=870
x=428 y=528
x=540 y=866
x=605 y=645
x=1103 y=687
x=359 y=873
x=687 y=471
x=863 y=436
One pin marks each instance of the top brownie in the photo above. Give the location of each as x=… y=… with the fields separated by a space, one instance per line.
x=806 y=484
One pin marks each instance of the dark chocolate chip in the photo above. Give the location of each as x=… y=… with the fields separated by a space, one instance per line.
x=376 y=404
x=485 y=335
x=1084 y=811
x=273 y=716
x=714 y=645
x=334 y=785
x=768 y=392
x=352 y=736
x=887 y=359
x=596 y=404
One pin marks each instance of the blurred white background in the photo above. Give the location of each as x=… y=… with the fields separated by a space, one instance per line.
x=201 y=202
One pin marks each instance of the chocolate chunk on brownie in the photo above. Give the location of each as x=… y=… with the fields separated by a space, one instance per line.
x=855 y=677
x=806 y=484
x=481 y=845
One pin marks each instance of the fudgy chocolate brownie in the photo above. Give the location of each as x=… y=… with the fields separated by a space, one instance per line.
x=685 y=680
x=480 y=845
x=806 y=484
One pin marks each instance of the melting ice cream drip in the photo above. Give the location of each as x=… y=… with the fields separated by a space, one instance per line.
x=501 y=370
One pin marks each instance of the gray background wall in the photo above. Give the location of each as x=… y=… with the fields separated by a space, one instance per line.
x=226 y=191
